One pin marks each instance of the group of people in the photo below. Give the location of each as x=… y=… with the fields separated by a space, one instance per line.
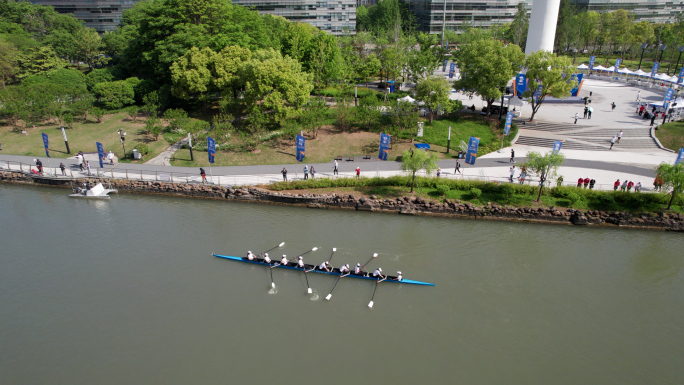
x=311 y=171
x=626 y=186
x=615 y=139
x=522 y=177
x=586 y=182
x=325 y=266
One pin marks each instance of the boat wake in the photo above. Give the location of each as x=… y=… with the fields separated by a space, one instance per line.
x=273 y=290
x=314 y=296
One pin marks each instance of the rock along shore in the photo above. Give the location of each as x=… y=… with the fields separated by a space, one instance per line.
x=403 y=205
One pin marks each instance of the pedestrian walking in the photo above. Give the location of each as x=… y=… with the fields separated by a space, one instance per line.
x=638 y=99
x=641 y=110
x=110 y=156
x=619 y=136
x=204 y=175
x=306 y=172
x=335 y=170
x=590 y=111
x=458 y=165
x=312 y=171
x=79 y=160
x=512 y=156
x=586 y=182
x=616 y=185
x=579 y=182
x=39 y=164
x=623 y=188
x=63 y=168
x=629 y=186
x=653 y=118
x=358 y=172
x=576 y=117
x=586 y=111
x=284 y=172
x=523 y=175
x=88 y=166
x=637 y=188
x=612 y=142
x=512 y=172
x=612 y=106
x=592 y=182
x=439 y=172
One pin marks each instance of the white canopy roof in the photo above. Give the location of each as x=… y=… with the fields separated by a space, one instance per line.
x=641 y=73
x=625 y=71
x=610 y=69
x=514 y=101
x=662 y=77
x=407 y=98
x=600 y=68
x=674 y=79
x=582 y=67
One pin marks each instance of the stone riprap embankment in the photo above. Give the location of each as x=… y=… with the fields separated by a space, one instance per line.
x=402 y=205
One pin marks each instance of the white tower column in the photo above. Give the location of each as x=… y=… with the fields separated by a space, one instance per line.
x=542 y=32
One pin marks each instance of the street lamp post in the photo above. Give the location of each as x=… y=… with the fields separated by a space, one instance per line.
x=122 y=134
x=681 y=49
x=662 y=50
x=643 y=48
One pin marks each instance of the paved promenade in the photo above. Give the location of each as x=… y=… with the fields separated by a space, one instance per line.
x=586 y=148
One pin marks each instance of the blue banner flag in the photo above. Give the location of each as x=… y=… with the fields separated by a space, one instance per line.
x=578 y=77
x=211 y=149
x=668 y=94
x=681 y=75
x=509 y=121
x=444 y=66
x=46 y=144
x=654 y=71
x=520 y=84
x=100 y=153
x=557 y=146
x=680 y=158
x=384 y=146
x=301 y=141
x=592 y=60
x=537 y=93
x=617 y=65
x=452 y=70
x=473 y=145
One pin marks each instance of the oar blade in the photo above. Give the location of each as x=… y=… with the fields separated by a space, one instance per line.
x=375 y=255
x=314 y=249
x=334 y=249
x=281 y=244
x=273 y=285
x=327 y=298
x=370 y=304
x=308 y=290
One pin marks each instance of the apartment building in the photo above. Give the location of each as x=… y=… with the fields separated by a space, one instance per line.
x=102 y=15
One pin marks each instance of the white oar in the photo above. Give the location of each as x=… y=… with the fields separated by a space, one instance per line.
x=280 y=245
x=370 y=304
x=327 y=298
x=308 y=288
x=375 y=255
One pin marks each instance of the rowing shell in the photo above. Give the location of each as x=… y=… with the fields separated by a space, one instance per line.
x=335 y=272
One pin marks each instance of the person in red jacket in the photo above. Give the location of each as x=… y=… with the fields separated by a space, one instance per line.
x=586 y=182
x=579 y=182
x=629 y=186
x=616 y=185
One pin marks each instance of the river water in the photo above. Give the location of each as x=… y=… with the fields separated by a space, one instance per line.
x=127 y=292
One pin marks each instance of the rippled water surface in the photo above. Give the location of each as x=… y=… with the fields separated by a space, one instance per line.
x=127 y=292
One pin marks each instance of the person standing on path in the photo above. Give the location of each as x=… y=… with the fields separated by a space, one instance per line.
x=39 y=164
x=638 y=99
x=653 y=119
x=637 y=188
x=589 y=116
x=458 y=166
x=110 y=156
x=358 y=172
x=512 y=156
x=612 y=106
x=612 y=142
x=284 y=172
x=623 y=188
x=576 y=117
x=586 y=111
x=616 y=185
x=512 y=172
x=641 y=110
x=592 y=182
x=204 y=175
x=88 y=166
x=63 y=168
x=619 y=136
x=306 y=172
x=312 y=171
x=79 y=160
x=335 y=172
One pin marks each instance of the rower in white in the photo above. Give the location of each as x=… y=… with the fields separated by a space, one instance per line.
x=266 y=258
x=284 y=260
x=357 y=269
x=324 y=266
x=378 y=273
x=399 y=277
x=250 y=256
x=300 y=262
x=344 y=269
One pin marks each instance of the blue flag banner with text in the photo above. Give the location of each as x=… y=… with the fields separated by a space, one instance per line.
x=473 y=145
x=46 y=144
x=444 y=66
x=557 y=146
x=680 y=158
x=617 y=65
x=301 y=149
x=384 y=146
x=452 y=70
x=509 y=121
x=538 y=93
x=577 y=77
x=654 y=71
x=681 y=75
x=668 y=97
x=100 y=153
x=520 y=84
x=592 y=60
x=211 y=149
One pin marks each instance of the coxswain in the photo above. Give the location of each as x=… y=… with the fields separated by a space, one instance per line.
x=284 y=260
x=300 y=262
x=324 y=266
x=399 y=277
x=378 y=273
x=357 y=269
x=344 y=269
x=267 y=259
x=250 y=256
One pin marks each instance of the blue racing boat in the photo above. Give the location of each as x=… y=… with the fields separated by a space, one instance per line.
x=315 y=269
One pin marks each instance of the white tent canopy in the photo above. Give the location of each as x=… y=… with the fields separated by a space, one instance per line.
x=583 y=67
x=514 y=101
x=407 y=98
x=610 y=69
x=639 y=72
x=625 y=71
x=600 y=68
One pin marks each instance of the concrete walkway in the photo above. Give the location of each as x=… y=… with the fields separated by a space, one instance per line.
x=164 y=159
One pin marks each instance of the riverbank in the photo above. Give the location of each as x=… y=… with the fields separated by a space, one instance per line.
x=407 y=205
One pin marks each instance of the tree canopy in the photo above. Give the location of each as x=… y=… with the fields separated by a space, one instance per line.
x=673 y=177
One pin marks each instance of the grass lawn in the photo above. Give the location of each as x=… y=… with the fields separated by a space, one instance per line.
x=671 y=135
x=465 y=126
x=81 y=138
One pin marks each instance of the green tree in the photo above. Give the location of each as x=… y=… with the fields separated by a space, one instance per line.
x=89 y=48
x=68 y=119
x=517 y=32
x=314 y=114
x=177 y=118
x=487 y=66
x=566 y=27
x=434 y=93
x=673 y=177
x=421 y=63
x=39 y=60
x=95 y=76
x=133 y=112
x=552 y=72
x=254 y=130
x=414 y=161
x=404 y=115
x=153 y=126
x=368 y=111
x=545 y=166
x=98 y=113
x=114 y=95
x=9 y=64
x=367 y=67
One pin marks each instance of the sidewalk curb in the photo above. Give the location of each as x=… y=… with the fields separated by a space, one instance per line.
x=652 y=132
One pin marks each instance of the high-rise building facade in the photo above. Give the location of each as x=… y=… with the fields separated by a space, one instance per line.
x=335 y=17
x=102 y=15
x=656 y=11
x=478 y=13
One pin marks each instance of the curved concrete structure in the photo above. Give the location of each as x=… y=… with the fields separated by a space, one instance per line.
x=542 y=31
